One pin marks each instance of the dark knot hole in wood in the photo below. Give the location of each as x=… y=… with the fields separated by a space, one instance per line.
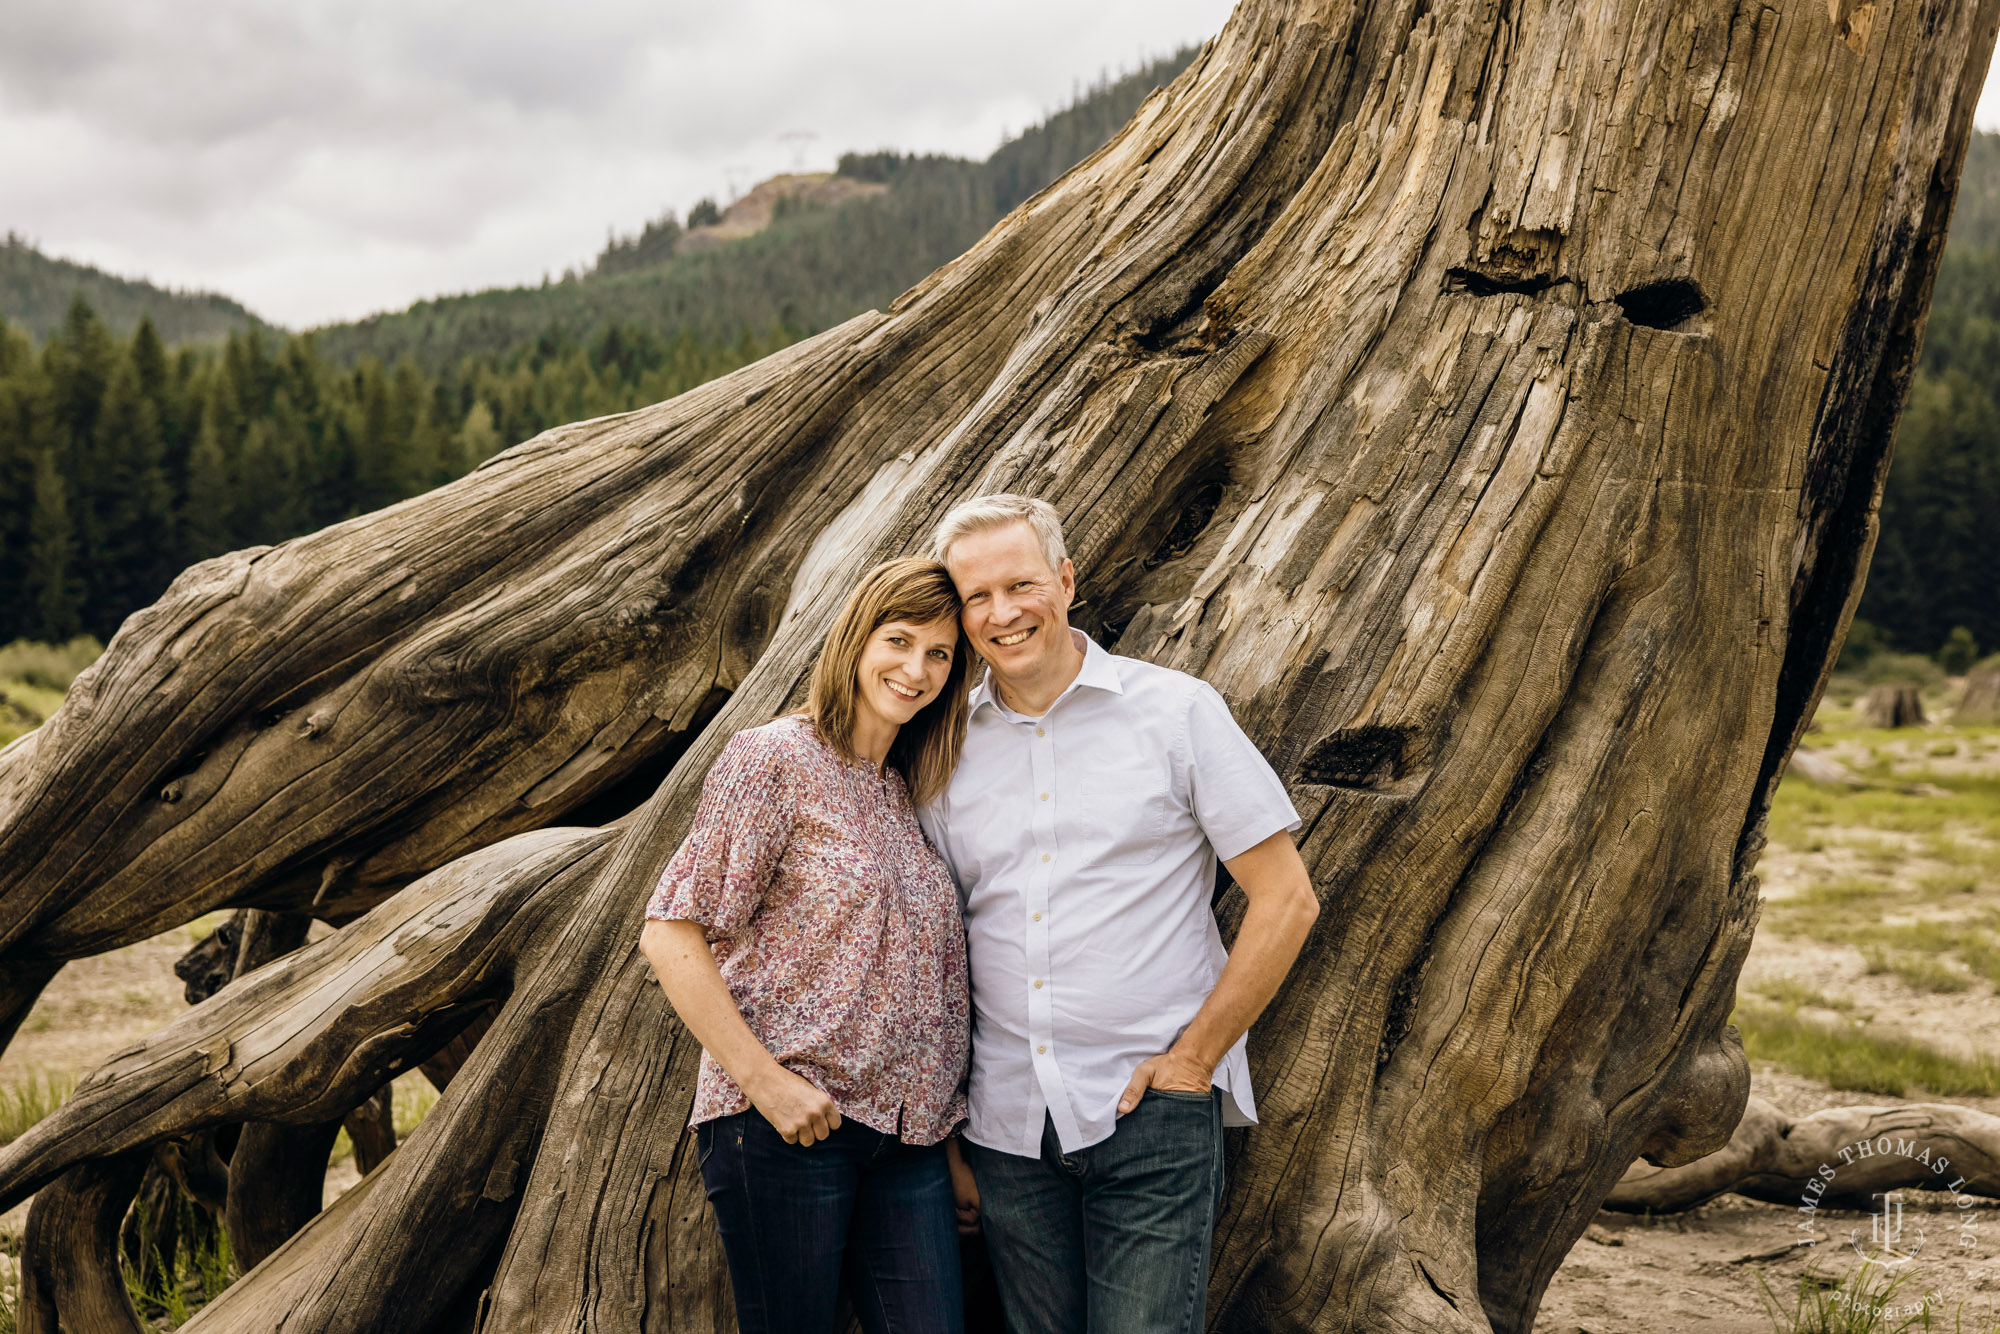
x=1474 y=283
x=1187 y=526
x=1664 y=304
x=1364 y=757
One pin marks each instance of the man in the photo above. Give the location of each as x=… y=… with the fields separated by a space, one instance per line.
x=1084 y=824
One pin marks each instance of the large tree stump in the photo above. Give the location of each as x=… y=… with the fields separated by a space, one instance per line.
x=1492 y=401
x=1981 y=701
x=1892 y=704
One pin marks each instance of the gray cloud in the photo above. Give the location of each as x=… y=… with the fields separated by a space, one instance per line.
x=322 y=160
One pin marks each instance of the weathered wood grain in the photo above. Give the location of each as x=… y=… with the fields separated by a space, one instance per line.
x=1492 y=401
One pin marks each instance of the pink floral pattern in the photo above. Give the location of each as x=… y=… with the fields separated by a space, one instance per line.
x=836 y=926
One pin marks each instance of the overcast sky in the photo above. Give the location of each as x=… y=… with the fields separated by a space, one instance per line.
x=320 y=161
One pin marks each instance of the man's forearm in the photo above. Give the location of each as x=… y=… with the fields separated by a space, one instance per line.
x=1274 y=930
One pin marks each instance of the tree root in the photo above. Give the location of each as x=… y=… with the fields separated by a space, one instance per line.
x=70 y=1278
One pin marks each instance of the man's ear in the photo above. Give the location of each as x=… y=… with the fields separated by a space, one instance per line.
x=1068 y=577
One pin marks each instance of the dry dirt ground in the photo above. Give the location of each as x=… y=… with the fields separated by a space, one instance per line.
x=1733 y=1265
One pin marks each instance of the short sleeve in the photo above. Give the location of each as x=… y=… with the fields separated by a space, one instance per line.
x=935 y=819
x=719 y=874
x=1238 y=800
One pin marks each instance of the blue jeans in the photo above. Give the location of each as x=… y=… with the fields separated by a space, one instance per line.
x=860 y=1204
x=1114 y=1238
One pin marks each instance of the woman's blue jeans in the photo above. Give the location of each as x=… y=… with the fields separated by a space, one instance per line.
x=861 y=1204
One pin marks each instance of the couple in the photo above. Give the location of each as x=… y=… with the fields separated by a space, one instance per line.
x=1057 y=830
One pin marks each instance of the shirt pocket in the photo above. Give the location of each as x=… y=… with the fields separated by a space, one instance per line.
x=1124 y=816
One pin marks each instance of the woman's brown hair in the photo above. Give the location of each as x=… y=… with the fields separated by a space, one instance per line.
x=927 y=747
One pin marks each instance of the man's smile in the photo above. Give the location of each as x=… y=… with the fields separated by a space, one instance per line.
x=1017 y=637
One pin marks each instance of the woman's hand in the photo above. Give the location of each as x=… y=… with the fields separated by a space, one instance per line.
x=796 y=1107
x=964 y=1190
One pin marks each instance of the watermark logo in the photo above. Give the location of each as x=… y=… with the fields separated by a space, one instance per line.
x=1885 y=1233
x=1876 y=1178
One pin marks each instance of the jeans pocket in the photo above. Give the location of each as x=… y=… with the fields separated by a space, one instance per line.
x=704 y=1143
x=1182 y=1095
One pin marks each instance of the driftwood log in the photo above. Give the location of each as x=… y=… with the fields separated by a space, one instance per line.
x=1492 y=401
x=1892 y=704
x=1816 y=766
x=1839 y=1156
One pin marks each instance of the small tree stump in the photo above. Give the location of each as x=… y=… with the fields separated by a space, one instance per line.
x=1892 y=704
x=1981 y=701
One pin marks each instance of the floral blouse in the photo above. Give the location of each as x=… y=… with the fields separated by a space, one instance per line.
x=836 y=926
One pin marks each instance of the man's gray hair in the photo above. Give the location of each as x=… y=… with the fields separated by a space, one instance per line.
x=982 y=513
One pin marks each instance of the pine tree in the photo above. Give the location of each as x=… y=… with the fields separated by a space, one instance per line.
x=208 y=507
x=379 y=477
x=52 y=585
x=79 y=362
x=478 y=439
x=133 y=561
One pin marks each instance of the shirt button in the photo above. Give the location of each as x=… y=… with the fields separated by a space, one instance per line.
x=1041 y=1049
x=1040 y=732
x=1038 y=917
x=1045 y=856
x=1038 y=984
x=1045 y=796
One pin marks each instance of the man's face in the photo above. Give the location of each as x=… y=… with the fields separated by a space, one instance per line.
x=1016 y=607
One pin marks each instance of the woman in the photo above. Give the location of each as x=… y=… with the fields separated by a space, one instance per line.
x=810 y=939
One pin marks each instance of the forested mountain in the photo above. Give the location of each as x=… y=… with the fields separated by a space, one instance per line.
x=36 y=291
x=811 y=268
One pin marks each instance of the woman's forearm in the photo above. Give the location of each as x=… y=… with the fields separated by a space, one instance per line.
x=685 y=965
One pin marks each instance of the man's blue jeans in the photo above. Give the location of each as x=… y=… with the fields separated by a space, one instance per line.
x=1114 y=1238
x=862 y=1203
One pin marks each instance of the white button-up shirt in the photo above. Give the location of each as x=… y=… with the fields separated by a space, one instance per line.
x=1084 y=843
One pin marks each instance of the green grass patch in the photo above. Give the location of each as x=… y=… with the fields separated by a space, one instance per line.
x=1849 y=1057
x=412 y=1100
x=1790 y=991
x=1868 y=1300
x=28 y=1101
x=48 y=666
x=169 y=1295
x=1948 y=885
x=1921 y=972
x=1926 y=937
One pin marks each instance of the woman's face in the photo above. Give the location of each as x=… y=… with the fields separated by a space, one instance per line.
x=904 y=666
